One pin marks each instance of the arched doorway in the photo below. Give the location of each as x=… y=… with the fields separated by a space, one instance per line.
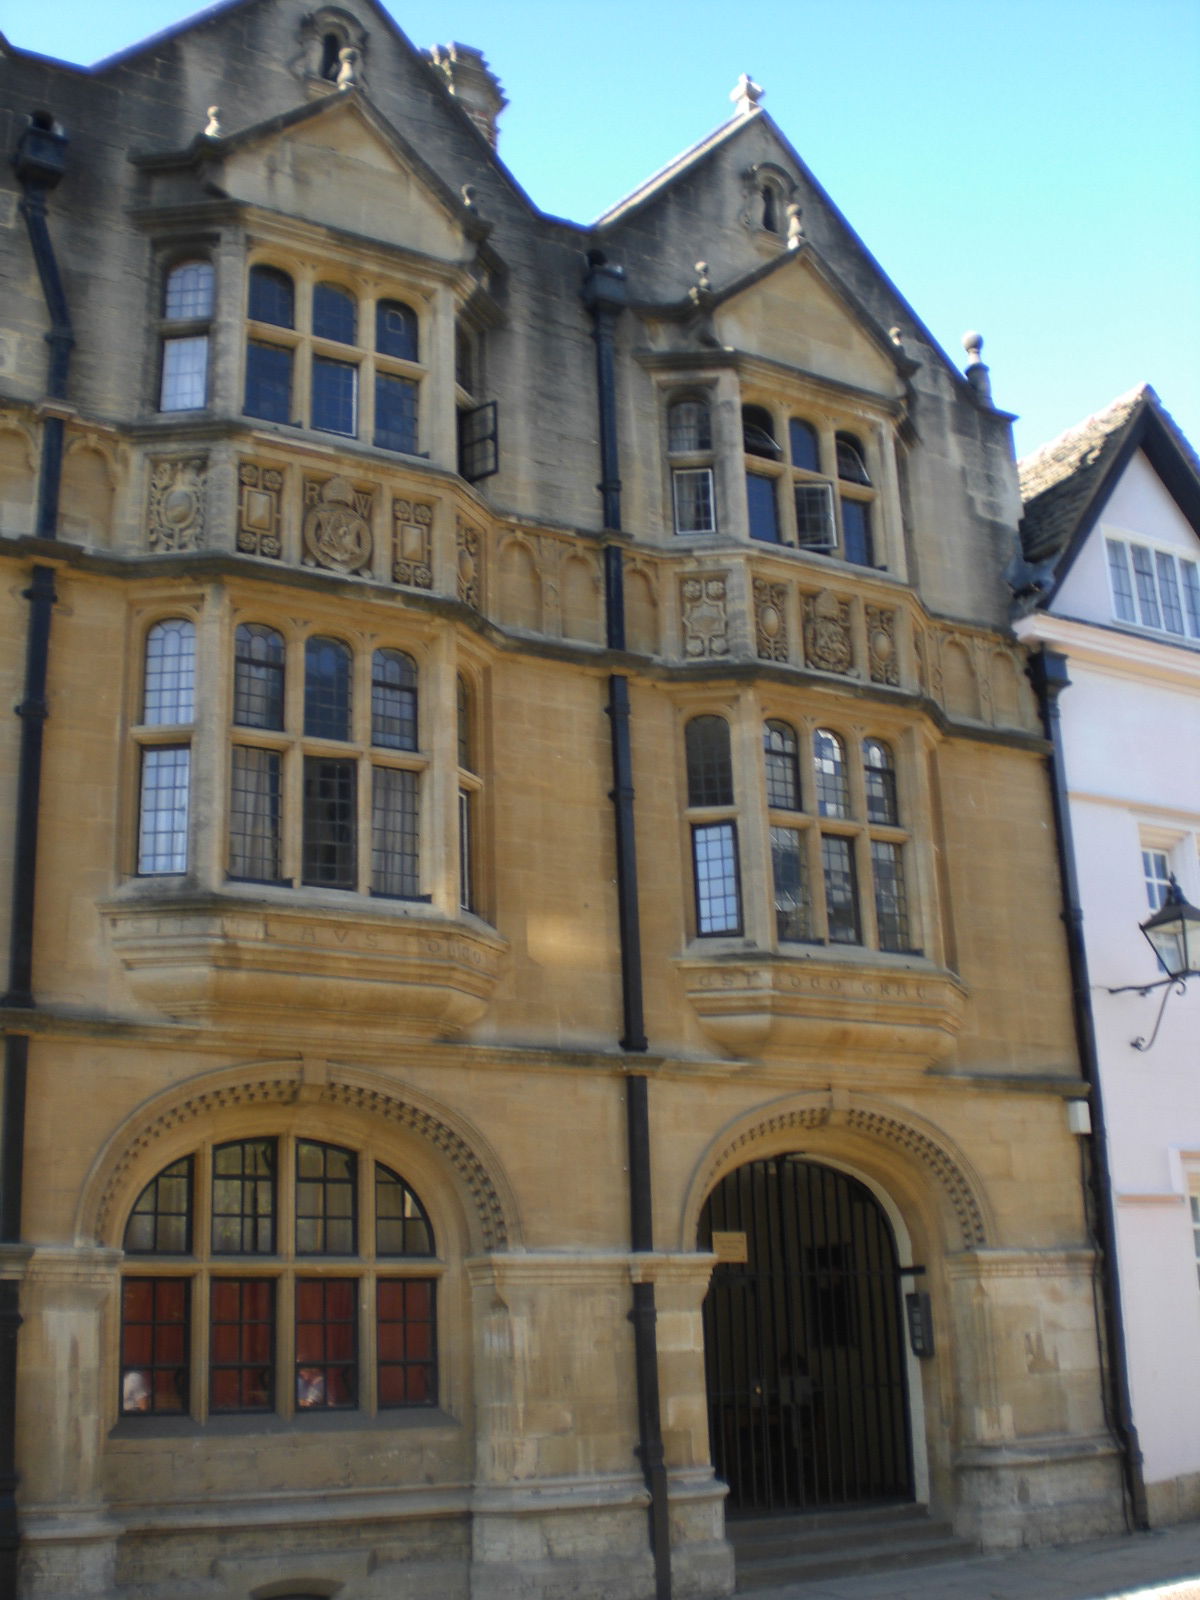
x=804 y=1343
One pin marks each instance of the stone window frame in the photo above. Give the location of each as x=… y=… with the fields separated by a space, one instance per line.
x=765 y=885
x=686 y=462
x=833 y=431
x=199 y=1266
x=189 y=325
x=154 y=735
x=306 y=347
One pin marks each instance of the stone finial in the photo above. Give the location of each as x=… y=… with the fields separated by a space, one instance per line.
x=703 y=281
x=348 y=73
x=212 y=128
x=896 y=335
x=745 y=95
x=468 y=196
x=795 y=227
x=977 y=373
x=472 y=83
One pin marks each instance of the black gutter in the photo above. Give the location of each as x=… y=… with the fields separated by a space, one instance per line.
x=605 y=295
x=1048 y=674
x=39 y=162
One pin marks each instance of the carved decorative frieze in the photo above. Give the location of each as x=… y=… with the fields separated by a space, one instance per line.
x=919 y=653
x=881 y=645
x=260 y=492
x=175 y=509
x=337 y=525
x=412 y=543
x=704 y=611
x=470 y=570
x=828 y=644
x=770 y=620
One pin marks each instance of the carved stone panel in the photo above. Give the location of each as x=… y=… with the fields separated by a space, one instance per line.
x=881 y=645
x=260 y=491
x=703 y=607
x=770 y=620
x=470 y=569
x=337 y=525
x=828 y=644
x=412 y=543
x=175 y=512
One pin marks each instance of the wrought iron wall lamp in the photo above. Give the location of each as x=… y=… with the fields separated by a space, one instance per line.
x=1173 y=932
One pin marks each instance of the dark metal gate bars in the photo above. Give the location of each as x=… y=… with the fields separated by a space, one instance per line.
x=808 y=1405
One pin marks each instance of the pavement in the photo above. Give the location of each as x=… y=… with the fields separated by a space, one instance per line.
x=1163 y=1565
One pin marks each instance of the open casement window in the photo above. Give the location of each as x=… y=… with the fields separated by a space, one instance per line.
x=338 y=360
x=807 y=486
x=713 y=826
x=690 y=455
x=334 y=800
x=277 y=1274
x=186 y=328
x=164 y=740
x=1154 y=588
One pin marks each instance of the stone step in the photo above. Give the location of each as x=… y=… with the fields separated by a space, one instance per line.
x=775 y=1551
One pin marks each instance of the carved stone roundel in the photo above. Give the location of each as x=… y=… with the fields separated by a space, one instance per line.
x=336 y=534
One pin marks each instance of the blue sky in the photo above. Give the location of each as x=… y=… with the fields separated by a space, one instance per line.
x=1030 y=168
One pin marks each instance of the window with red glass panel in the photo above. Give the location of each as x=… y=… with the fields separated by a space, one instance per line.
x=289 y=1275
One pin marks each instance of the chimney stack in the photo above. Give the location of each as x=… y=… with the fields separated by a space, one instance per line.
x=472 y=82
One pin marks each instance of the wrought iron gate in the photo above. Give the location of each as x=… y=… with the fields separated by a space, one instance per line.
x=804 y=1352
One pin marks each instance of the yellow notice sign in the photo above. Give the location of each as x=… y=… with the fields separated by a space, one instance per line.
x=730 y=1247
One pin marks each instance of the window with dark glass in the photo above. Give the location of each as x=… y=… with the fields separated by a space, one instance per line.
x=327 y=674
x=396 y=401
x=334 y=396
x=395 y=853
x=396 y=330
x=841 y=890
x=272 y=301
x=393 y=700
x=272 y=297
x=789 y=874
x=329 y=858
x=804 y=444
x=334 y=313
x=758 y=433
x=763 y=507
x=709 y=767
x=891 y=900
x=243 y=1318
x=879 y=771
x=855 y=512
x=258 y=668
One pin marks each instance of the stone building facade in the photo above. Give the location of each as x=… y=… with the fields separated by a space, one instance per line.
x=533 y=739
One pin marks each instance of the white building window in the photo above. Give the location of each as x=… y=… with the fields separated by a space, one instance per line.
x=1154 y=588
x=1156 y=870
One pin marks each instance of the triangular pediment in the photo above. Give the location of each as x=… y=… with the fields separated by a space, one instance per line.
x=796 y=313
x=343 y=166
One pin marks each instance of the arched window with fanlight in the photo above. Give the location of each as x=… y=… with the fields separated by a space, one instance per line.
x=854 y=485
x=277 y=1274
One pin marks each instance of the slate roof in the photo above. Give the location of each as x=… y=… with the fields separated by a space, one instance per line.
x=1059 y=481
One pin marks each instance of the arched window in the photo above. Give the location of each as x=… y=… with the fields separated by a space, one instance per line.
x=272 y=297
x=770 y=207
x=718 y=902
x=783 y=769
x=187 y=315
x=332 y=45
x=758 y=433
x=851 y=466
x=258 y=677
x=272 y=301
x=327 y=677
x=393 y=700
x=833 y=790
x=168 y=701
x=277 y=1274
x=690 y=445
x=857 y=543
x=396 y=330
x=805 y=445
x=879 y=772
x=709 y=768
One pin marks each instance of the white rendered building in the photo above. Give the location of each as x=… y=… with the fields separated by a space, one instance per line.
x=1111 y=569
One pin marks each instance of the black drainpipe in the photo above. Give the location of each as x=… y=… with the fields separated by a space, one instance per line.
x=39 y=162
x=604 y=294
x=1048 y=674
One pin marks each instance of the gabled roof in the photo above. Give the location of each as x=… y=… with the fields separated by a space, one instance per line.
x=1066 y=484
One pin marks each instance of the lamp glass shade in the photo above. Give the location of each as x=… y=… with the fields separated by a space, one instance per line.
x=1174 y=934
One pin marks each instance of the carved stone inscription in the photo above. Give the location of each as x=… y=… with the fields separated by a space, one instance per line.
x=827 y=641
x=337 y=525
x=881 y=643
x=175 y=512
x=260 y=490
x=770 y=620
x=703 y=607
x=412 y=543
